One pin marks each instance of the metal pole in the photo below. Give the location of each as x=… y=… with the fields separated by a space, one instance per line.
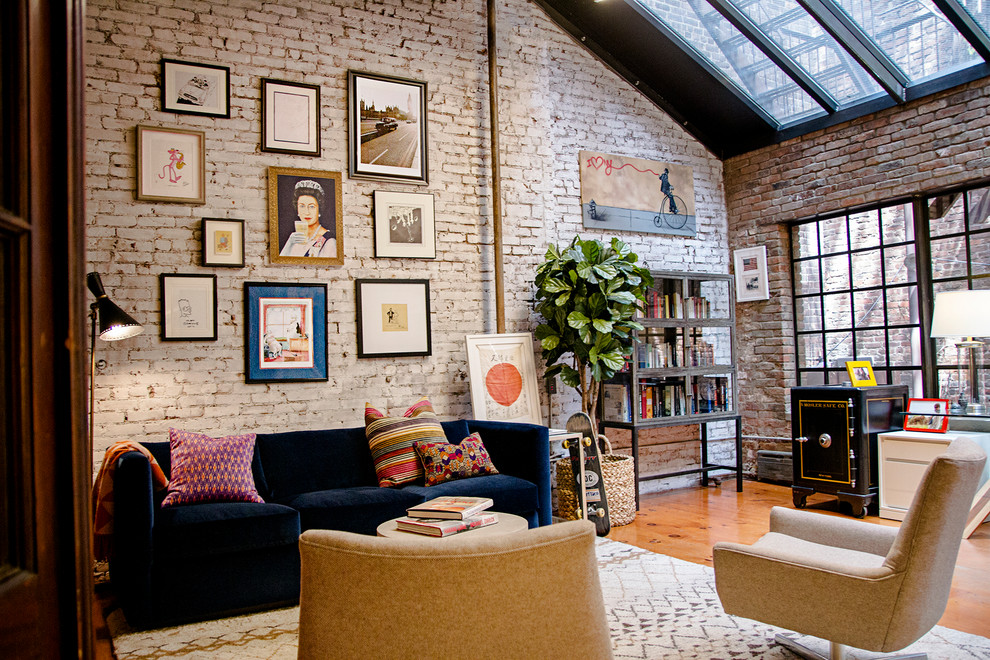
x=496 y=175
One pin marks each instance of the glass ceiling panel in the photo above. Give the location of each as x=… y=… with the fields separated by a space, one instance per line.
x=815 y=50
x=730 y=52
x=980 y=11
x=914 y=34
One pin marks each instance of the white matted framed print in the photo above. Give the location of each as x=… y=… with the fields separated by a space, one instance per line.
x=290 y=117
x=502 y=372
x=750 y=265
x=393 y=318
x=405 y=225
x=223 y=242
x=171 y=165
x=191 y=88
x=386 y=123
x=189 y=307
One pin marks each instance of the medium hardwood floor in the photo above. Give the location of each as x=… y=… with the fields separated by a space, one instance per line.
x=685 y=523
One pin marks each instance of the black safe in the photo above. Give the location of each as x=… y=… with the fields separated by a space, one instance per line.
x=834 y=440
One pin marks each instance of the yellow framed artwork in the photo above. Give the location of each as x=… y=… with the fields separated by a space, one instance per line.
x=861 y=373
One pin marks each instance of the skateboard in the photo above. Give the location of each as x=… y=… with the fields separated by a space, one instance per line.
x=586 y=464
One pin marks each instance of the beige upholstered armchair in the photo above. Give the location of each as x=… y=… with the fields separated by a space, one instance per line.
x=852 y=582
x=530 y=594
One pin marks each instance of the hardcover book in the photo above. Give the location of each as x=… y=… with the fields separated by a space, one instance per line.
x=456 y=508
x=444 y=527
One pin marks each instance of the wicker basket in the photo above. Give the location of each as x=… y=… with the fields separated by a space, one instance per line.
x=617 y=473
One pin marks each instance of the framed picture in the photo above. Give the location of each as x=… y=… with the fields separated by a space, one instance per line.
x=305 y=217
x=393 y=318
x=861 y=373
x=750 y=265
x=290 y=117
x=189 y=307
x=502 y=372
x=405 y=225
x=286 y=338
x=171 y=165
x=386 y=122
x=190 y=88
x=929 y=415
x=223 y=242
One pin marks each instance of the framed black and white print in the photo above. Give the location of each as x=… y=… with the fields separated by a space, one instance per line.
x=387 y=128
x=286 y=336
x=191 y=88
x=393 y=318
x=405 y=225
x=290 y=117
x=189 y=307
x=223 y=242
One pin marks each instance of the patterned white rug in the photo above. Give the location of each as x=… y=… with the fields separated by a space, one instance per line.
x=658 y=607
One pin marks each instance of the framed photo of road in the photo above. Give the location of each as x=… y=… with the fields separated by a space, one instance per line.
x=387 y=128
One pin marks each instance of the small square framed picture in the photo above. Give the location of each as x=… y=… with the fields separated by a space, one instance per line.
x=223 y=242
x=189 y=307
x=171 y=165
x=861 y=373
x=405 y=225
x=393 y=318
x=290 y=117
x=191 y=88
x=928 y=415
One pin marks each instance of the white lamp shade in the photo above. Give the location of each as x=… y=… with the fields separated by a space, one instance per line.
x=962 y=314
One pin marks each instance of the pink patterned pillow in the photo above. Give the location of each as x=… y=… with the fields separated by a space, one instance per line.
x=443 y=461
x=206 y=469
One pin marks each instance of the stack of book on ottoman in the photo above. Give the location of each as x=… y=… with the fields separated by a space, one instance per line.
x=444 y=516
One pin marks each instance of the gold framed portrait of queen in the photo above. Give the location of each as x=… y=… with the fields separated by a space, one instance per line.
x=305 y=217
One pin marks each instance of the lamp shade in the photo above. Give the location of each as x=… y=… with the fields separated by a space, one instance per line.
x=114 y=323
x=961 y=314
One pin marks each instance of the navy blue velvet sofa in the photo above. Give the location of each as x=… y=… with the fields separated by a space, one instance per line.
x=202 y=561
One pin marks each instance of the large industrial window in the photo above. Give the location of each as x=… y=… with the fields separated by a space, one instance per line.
x=864 y=284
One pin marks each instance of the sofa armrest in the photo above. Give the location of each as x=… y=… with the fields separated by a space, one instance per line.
x=133 y=525
x=520 y=450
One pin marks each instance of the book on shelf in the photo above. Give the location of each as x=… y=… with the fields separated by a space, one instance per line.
x=443 y=526
x=455 y=508
x=615 y=403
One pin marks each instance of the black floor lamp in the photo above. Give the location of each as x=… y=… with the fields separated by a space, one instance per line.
x=115 y=324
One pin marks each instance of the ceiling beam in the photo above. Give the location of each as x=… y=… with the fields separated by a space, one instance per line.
x=969 y=28
x=860 y=45
x=776 y=54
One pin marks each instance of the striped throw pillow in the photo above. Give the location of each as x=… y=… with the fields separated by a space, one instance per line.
x=391 y=440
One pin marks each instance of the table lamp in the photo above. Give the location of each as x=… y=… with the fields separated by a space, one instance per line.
x=964 y=314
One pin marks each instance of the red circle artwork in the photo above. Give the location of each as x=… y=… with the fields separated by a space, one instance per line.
x=504 y=383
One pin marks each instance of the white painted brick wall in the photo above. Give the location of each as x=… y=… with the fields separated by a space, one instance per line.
x=555 y=99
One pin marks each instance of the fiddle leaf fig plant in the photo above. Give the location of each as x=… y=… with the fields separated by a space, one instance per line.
x=588 y=295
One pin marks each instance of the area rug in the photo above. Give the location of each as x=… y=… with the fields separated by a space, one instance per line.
x=657 y=607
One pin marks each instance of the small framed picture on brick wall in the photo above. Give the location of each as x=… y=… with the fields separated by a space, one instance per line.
x=190 y=88
x=223 y=242
x=189 y=307
x=750 y=265
x=290 y=117
x=171 y=165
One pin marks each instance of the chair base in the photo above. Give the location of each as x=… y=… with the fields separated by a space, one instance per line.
x=835 y=651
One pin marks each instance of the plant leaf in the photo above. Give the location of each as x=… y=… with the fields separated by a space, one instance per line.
x=577 y=320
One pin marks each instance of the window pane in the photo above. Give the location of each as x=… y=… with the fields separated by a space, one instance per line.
x=911 y=378
x=899 y=264
x=979 y=253
x=867 y=269
x=946 y=215
x=835 y=272
x=834 y=236
x=872 y=345
x=897 y=224
x=864 y=229
x=869 y=308
x=813 y=378
x=838 y=348
x=806 y=278
x=805 y=240
x=949 y=258
x=809 y=314
x=899 y=310
x=904 y=347
x=838 y=310
x=809 y=351
x=979 y=204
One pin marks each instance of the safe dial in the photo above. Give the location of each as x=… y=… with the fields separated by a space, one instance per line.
x=825 y=440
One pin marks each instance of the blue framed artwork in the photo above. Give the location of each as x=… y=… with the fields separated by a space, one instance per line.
x=286 y=338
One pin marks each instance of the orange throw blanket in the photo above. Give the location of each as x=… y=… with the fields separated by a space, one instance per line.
x=103 y=493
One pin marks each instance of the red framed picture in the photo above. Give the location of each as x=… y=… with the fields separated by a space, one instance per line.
x=928 y=415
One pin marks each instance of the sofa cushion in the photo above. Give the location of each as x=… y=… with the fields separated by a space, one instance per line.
x=206 y=469
x=444 y=461
x=304 y=461
x=391 y=441
x=218 y=528
x=509 y=494
x=358 y=509
x=455 y=429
